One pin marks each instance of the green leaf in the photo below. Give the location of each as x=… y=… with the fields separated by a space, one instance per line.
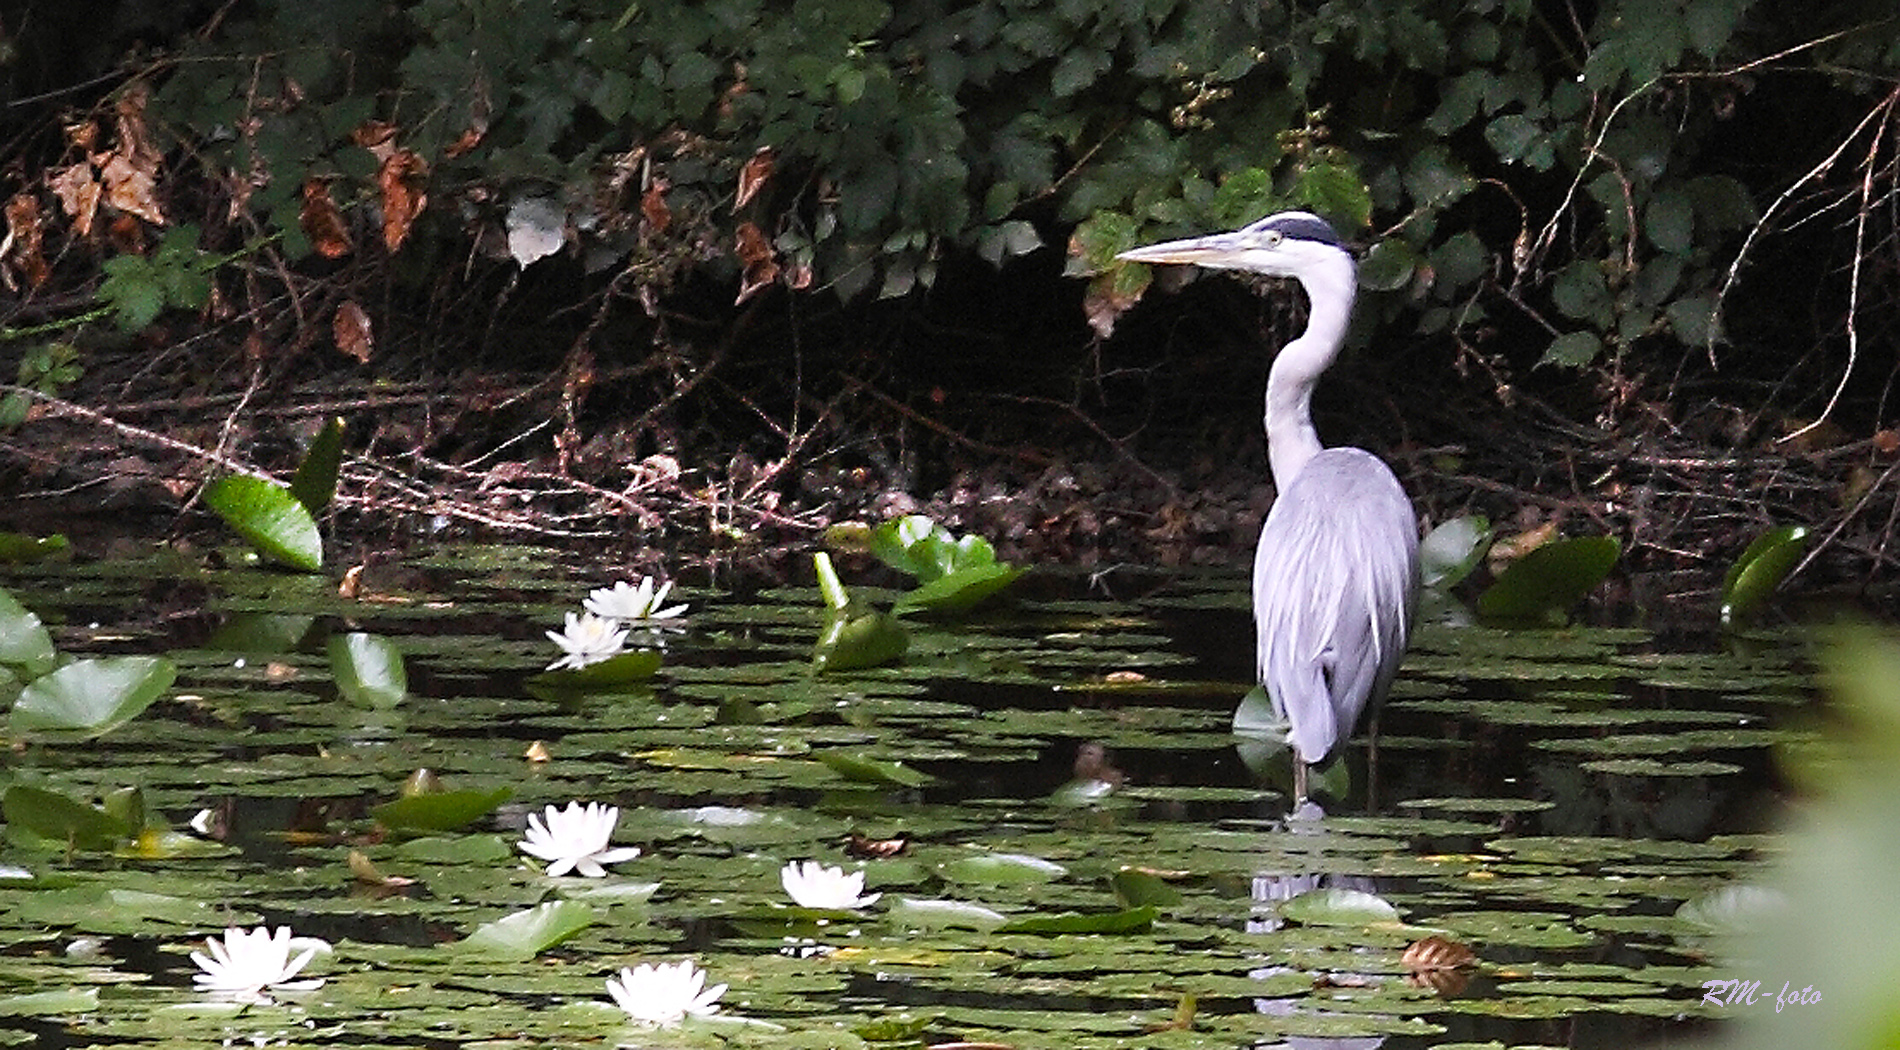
x=1545 y=583
x=634 y=665
x=1002 y=869
x=368 y=670
x=1761 y=568
x=20 y=549
x=961 y=590
x=269 y=518
x=133 y=290
x=314 y=484
x=1449 y=552
x=1669 y=221
x=911 y=913
x=862 y=770
x=24 y=643
x=55 y=1002
x=829 y=586
x=1134 y=889
x=851 y=641
x=92 y=697
x=53 y=816
x=1581 y=293
x=526 y=934
x=1131 y=920
x=1572 y=350
x=1338 y=907
x=441 y=811
x=1389 y=266
x=1255 y=716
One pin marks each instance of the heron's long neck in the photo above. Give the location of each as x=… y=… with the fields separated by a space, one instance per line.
x=1291 y=439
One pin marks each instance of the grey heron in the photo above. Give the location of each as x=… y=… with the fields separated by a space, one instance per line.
x=1335 y=577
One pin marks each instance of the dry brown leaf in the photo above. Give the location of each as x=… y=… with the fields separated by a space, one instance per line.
x=125 y=235
x=467 y=140
x=1105 y=301
x=753 y=177
x=755 y=254
x=1437 y=953
x=78 y=191
x=1887 y=442
x=321 y=222
x=653 y=210
x=1510 y=548
x=132 y=188
x=135 y=142
x=352 y=331
x=863 y=848
x=352 y=582
x=84 y=136
x=379 y=137
x=401 y=180
x=538 y=752
x=23 y=246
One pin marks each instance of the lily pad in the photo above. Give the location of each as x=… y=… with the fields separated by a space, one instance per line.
x=961 y=590
x=1332 y=906
x=269 y=518
x=441 y=811
x=854 y=639
x=873 y=771
x=1128 y=920
x=368 y=670
x=628 y=668
x=17 y=548
x=92 y=697
x=911 y=913
x=1002 y=869
x=53 y=816
x=24 y=643
x=526 y=934
x=1137 y=888
x=1449 y=552
x=1544 y=584
x=314 y=484
x=1760 y=569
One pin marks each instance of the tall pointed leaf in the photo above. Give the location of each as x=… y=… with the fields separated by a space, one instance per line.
x=1760 y=569
x=314 y=484
x=1545 y=583
x=368 y=670
x=24 y=643
x=527 y=933
x=269 y=518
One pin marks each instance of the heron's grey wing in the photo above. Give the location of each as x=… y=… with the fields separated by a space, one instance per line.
x=1335 y=585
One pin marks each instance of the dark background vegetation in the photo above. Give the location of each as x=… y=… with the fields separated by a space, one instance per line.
x=1629 y=266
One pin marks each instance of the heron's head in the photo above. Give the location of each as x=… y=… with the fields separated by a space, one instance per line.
x=1285 y=244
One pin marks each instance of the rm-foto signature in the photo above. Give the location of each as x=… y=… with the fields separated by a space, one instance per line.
x=1732 y=992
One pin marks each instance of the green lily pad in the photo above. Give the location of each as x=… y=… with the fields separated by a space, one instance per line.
x=269 y=518
x=961 y=590
x=954 y=573
x=910 y=913
x=1135 y=889
x=17 y=548
x=1128 y=920
x=527 y=933
x=92 y=697
x=368 y=670
x=24 y=643
x=872 y=771
x=56 y=1002
x=1544 y=584
x=441 y=811
x=53 y=816
x=1760 y=569
x=1332 y=906
x=1449 y=552
x=314 y=484
x=1002 y=869
x=628 y=668
x=1255 y=716
x=853 y=639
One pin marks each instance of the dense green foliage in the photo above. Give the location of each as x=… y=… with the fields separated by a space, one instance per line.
x=1586 y=168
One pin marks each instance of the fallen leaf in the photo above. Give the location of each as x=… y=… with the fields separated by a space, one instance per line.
x=1887 y=442
x=467 y=140
x=352 y=582
x=1437 y=953
x=23 y=246
x=653 y=210
x=78 y=191
x=321 y=222
x=352 y=331
x=377 y=136
x=864 y=848
x=753 y=177
x=132 y=188
x=401 y=180
x=538 y=752
x=755 y=254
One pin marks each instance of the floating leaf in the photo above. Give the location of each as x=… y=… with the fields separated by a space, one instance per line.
x=1130 y=920
x=51 y=815
x=1256 y=717
x=24 y=643
x=854 y=639
x=269 y=518
x=1760 y=569
x=526 y=934
x=1449 y=552
x=961 y=590
x=916 y=545
x=92 y=697
x=314 y=484
x=368 y=670
x=1137 y=888
x=1338 y=907
x=911 y=913
x=444 y=811
x=56 y=1002
x=1545 y=583
x=1002 y=869
x=871 y=770
x=634 y=665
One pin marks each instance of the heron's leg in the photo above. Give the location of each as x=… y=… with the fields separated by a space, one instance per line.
x=1299 y=781
x=1372 y=762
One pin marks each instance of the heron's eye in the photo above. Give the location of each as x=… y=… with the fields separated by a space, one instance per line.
x=1272 y=238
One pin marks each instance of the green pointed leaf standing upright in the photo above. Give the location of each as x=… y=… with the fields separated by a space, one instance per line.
x=53 y=816
x=368 y=670
x=92 y=697
x=269 y=518
x=527 y=933
x=24 y=644
x=1760 y=569
x=1449 y=552
x=314 y=484
x=440 y=811
x=1544 y=584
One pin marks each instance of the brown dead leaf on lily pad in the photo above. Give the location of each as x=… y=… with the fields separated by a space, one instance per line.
x=1441 y=965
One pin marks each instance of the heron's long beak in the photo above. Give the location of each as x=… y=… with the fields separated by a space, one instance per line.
x=1219 y=250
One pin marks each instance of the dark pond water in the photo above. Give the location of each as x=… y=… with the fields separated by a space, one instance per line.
x=1547 y=798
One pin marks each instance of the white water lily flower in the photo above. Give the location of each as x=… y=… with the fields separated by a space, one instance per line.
x=575 y=839
x=664 y=995
x=246 y=962
x=624 y=601
x=814 y=886
x=588 y=639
